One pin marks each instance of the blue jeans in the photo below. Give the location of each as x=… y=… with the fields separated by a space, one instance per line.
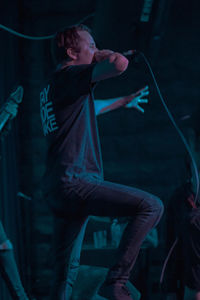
x=71 y=207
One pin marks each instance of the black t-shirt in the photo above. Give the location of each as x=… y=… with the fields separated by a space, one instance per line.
x=69 y=124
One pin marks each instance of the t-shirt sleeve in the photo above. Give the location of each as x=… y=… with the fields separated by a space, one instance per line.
x=75 y=81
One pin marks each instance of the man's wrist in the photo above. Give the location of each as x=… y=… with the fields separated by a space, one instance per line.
x=124 y=101
x=102 y=55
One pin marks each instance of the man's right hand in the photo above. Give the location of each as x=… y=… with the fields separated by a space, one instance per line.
x=109 y=64
x=101 y=55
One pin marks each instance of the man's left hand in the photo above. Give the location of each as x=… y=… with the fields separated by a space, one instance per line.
x=134 y=100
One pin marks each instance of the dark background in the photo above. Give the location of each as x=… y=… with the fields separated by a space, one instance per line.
x=139 y=150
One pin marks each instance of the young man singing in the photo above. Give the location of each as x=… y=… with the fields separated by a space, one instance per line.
x=74 y=183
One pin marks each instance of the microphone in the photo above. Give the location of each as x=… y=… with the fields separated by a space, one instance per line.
x=131 y=52
x=13 y=100
x=132 y=55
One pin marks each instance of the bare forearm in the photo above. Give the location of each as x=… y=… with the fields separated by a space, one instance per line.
x=131 y=101
x=103 y=106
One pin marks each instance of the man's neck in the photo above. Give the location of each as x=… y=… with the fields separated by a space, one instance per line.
x=65 y=64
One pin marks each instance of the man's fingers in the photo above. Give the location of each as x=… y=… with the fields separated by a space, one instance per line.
x=146 y=88
x=143 y=100
x=140 y=109
x=141 y=94
x=144 y=91
x=134 y=102
x=102 y=54
x=135 y=99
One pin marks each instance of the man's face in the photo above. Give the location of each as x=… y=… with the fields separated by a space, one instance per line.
x=87 y=48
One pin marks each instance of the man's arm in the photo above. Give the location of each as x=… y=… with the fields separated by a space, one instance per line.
x=131 y=101
x=109 y=64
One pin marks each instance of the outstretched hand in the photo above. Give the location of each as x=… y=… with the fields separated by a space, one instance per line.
x=134 y=100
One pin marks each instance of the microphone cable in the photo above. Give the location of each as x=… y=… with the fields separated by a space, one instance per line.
x=188 y=150
x=176 y=127
x=29 y=37
x=39 y=38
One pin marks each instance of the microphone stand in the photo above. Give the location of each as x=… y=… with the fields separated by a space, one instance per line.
x=15 y=97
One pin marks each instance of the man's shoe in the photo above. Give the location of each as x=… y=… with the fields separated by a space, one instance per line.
x=115 y=291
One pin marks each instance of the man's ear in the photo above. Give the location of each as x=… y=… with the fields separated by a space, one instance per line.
x=71 y=53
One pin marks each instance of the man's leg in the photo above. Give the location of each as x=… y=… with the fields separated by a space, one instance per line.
x=75 y=258
x=104 y=199
x=68 y=238
x=8 y=268
x=144 y=210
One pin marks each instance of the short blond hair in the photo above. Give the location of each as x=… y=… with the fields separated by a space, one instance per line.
x=68 y=38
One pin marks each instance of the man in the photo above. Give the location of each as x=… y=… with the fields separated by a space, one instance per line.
x=74 y=181
x=8 y=267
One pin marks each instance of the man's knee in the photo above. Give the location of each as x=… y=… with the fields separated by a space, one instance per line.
x=157 y=210
x=155 y=206
x=160 y=206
